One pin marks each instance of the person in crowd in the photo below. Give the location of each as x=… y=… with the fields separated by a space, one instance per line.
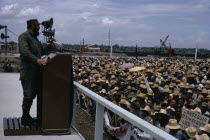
x=175 y=129
x=191 y=132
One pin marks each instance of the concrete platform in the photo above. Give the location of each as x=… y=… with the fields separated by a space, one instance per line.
x=10 y=106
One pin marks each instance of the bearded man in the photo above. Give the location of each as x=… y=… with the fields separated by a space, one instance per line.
x=31 y=51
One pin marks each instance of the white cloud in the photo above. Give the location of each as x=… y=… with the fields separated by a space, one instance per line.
x=83 y=15
x=107 y=21
x=96 y=5
x=7 y=9
x=29 y=11
x=129 y=20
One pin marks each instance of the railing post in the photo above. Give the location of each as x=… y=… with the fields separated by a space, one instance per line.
x=78 y=95
x=74 y=106
x=99 y=122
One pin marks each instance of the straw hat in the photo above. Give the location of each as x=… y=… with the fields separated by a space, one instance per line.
x=193 y=103
x=205 y=128
x=144 y=87
x=154 y=86
x=195 y=72
x=146 y=108
x=199 y=88
x=151 y=83
x=153 y=112
x=96 y=75
x=172 y=124
x=166 y=90
x=202 y=137
x=94 y=72
x=129 y=78
x=80 y=81
x=116 y=88
x=141 y=95
x=125 y=102
x=112 y=82
x=204 y=91
x=187 y=86
x=93 y=85
x=207 y=82
x=198 y=110
x=200 y=97
x=113 y=77
x=133 y=99
x=204 y=104
x=166 y=86
x=176 y=93
x=103 y=91
x=189 y=91
x=191 y=131
x=208 y=97
x=150 y=92
x=137 y=69
x=173 y=79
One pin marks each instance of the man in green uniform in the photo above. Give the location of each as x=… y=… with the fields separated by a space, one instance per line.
x=31 y=51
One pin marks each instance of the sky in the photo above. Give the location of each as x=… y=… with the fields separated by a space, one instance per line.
x=145 y=22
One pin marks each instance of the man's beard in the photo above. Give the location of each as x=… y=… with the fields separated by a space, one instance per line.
x=36 y=32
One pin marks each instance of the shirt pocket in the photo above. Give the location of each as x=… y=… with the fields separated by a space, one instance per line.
x=35 y=48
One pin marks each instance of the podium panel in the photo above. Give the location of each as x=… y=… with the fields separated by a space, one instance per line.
x=57 y=96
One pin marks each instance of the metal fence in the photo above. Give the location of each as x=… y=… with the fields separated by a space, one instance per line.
x=93 y=104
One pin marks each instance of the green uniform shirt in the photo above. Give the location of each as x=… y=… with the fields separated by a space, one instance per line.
x=30 y=51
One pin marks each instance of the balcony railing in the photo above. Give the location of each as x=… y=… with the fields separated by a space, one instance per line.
x=102 y=103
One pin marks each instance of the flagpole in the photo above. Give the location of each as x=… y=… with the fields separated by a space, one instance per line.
x=196 y=51
x=136 y=52
x=170 y=52
x=80 y=48
x=109 y=37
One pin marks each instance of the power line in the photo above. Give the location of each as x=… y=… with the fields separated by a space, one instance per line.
x=12 y=32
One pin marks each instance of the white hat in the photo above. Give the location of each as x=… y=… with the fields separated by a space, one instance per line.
x=202 y=137
x=172 y=124
x=191 y=131
x=205 y=128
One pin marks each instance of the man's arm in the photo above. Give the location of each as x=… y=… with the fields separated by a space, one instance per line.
x=48 y=48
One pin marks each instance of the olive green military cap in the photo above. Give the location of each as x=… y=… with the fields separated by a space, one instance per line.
x=32 y=21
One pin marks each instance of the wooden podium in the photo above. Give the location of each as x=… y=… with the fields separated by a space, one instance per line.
x=57 y=95
x=55 y=105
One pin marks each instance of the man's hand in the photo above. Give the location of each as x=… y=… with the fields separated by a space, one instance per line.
x=52 y=41
x=41 y=62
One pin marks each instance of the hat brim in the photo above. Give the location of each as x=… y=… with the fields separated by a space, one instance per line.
x=197 y=137
x=173 y=127
x=203 y=129
x=145 y=110
x=191 y=135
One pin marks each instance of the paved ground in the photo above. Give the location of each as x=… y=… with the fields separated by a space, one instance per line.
x=10 y=106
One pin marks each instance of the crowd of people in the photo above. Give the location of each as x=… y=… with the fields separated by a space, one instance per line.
x=7 y=67
x=10 y=65
x=171 y=86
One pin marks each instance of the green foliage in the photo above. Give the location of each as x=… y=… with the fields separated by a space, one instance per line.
x=143 y=51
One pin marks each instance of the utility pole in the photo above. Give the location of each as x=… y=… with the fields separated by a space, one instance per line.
x=109 y=36
x=196 y=52
x=6 y=40
x=136 y=51
x=83 y=44
x=4 y=36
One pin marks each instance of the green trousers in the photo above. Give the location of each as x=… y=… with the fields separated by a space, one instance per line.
x=32 y=87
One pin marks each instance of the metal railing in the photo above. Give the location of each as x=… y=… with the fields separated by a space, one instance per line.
x=102 y=103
